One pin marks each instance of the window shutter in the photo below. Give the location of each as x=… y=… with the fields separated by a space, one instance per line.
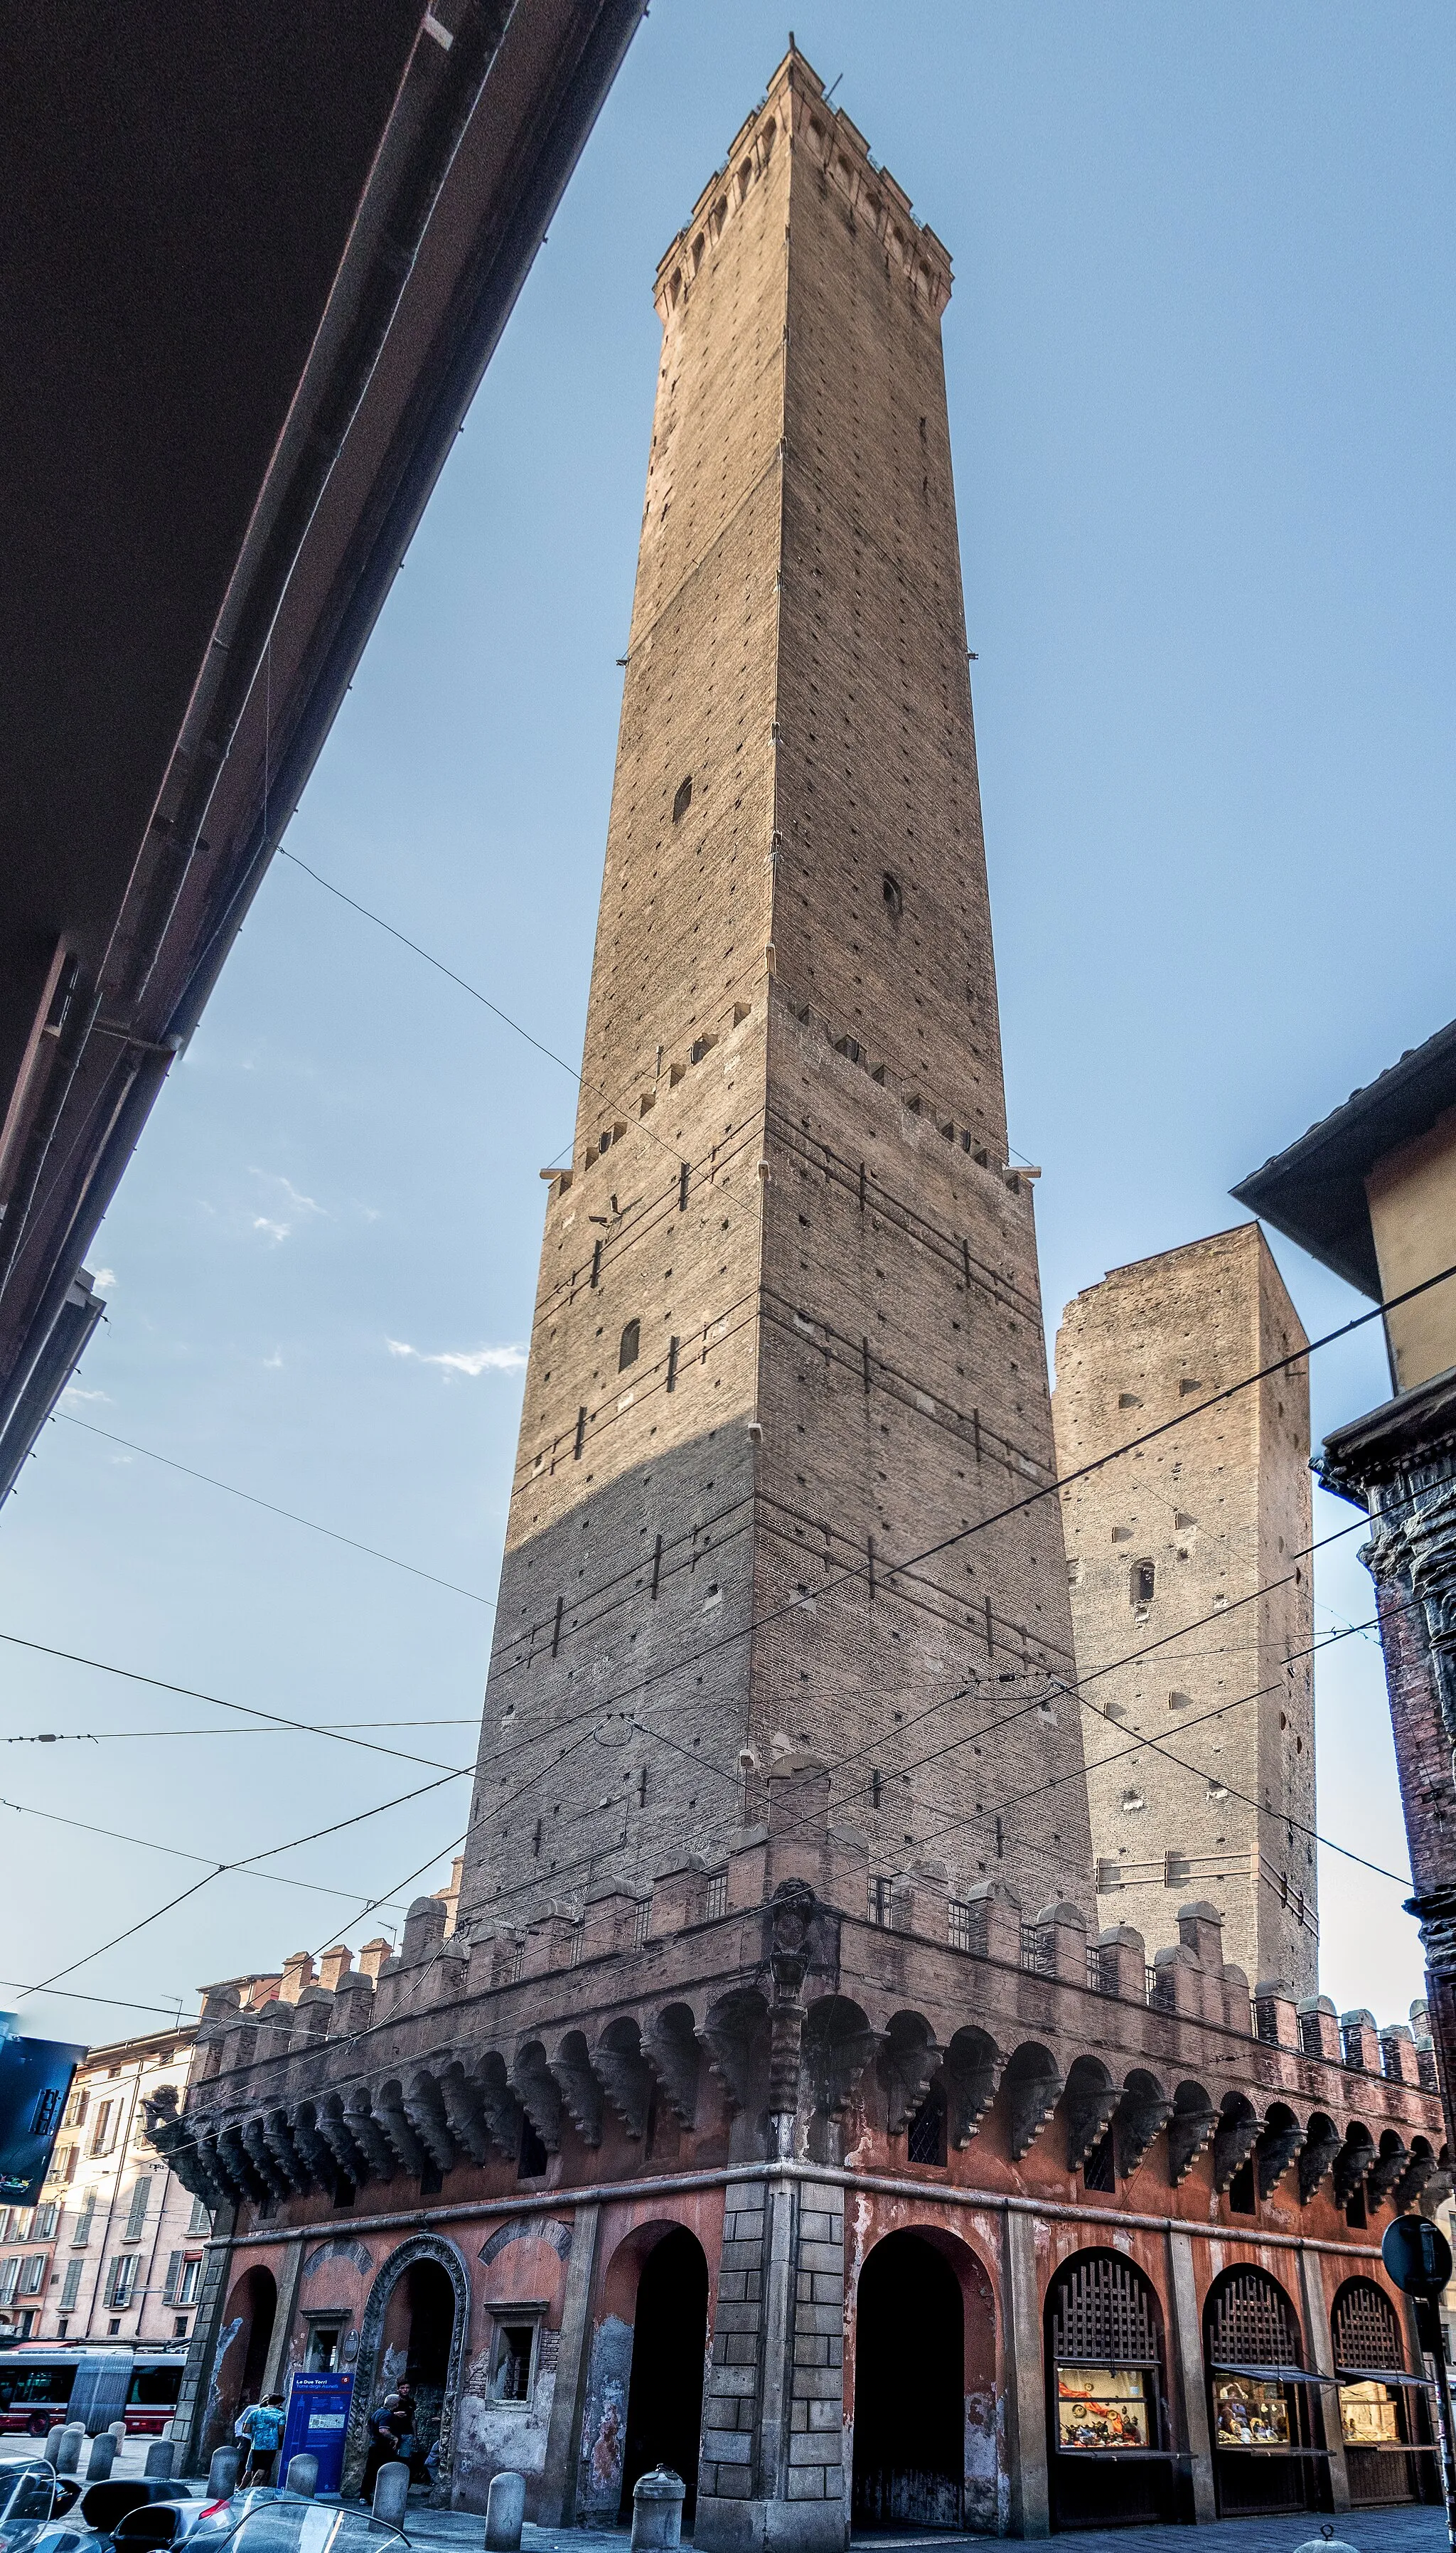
x=9 y=2273
x=173 y=2269
x=72 y=2286
x=137 y=2217
x=201 y=2220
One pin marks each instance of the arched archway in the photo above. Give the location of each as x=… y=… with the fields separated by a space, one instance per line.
x=1111 y=2461
x=909 y=2386
x=1377 y=2419
x=670 y=2329
x=1265 y=2426
x=244 y=2343
x=415 y=2323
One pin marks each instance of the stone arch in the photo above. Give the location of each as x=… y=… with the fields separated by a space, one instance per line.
x=245 y=2345
x=648 y=2365
x=1251 y=2321
x=925 y=2417
x=443 y=2254
x=1106 y=2376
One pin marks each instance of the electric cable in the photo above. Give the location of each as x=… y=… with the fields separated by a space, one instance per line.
x=231 y=1492
x=327 y=1729
x=251 y=1711
x=243 y=1864
x=146 y=1844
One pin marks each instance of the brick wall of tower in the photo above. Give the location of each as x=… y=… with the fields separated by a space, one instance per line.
x=804 y=1201
x=1213 y=1669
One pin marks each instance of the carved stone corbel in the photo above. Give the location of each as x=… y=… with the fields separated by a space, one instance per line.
x=579 y=2089
x=672 y=2050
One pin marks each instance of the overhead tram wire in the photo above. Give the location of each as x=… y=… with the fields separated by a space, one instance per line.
x=144 y=1843
x=325 y=1728
x=223 y=1870
x=594 y=1090
x=1135 y=1747
x=251 y=1710
x=888 y=1567
x=848 y=1576
x=271 y=1508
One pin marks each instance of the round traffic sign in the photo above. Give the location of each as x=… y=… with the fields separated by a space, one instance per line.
x=1417 y=2255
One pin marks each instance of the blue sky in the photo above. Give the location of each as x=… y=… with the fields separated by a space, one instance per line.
x=1201 y=359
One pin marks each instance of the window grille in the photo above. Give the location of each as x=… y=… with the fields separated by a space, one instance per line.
x=1037 y=1949
x=880 y=1897
x=1251 y=2323
x=71 y=2287
x=715 y=1897
x=47 y=2220
x=1365 y=2330
x=965 y=1926
x=578 y=1934
x=641 y=1920
x=1103 y=2314
x=1099 y=1982
x=1159 y=1988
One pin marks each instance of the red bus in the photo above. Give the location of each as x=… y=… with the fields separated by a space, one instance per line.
x=140 y=2386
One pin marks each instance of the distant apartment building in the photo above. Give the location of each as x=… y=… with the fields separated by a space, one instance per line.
x=115 y=2249
x=1188 y=1562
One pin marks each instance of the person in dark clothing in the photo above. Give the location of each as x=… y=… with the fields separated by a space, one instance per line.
x=392 y=2433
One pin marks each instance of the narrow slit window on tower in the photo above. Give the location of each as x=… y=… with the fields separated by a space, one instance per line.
x=1144 y=1581
x=631 y=1343
x=894 y=894
x=683 y=799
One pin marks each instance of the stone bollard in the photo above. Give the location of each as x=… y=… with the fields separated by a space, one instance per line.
x=159 y=2463
x=52 y=2448
x=392 y=2497
x=68 y=2450
x=102 y=2457
x=302 y=2475
x=222 y=2473
x=657 y=2511
x=506 y=2508
x=117 y=2429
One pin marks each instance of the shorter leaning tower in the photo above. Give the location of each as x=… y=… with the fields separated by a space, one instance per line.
x=1191 y=1597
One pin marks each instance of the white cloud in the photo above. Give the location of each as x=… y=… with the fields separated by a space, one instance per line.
x=300 y=1203
x=271 y=1365
x=76 y=1392
x=106 y=1275
x=471 y=1361
x=276 y=1231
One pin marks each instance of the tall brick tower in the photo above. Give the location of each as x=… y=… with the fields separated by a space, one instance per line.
x=1192 y=1598
x=786 y=1362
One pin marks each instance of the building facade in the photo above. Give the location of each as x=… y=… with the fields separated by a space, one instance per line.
x=1193 y=1596
x=1371 y=1191
x=771 y=2106
x=115 y=2249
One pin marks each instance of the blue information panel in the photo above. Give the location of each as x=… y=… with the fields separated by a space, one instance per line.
x=35 y=2079
x=314 y=2424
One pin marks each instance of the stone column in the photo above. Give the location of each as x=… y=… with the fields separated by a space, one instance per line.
x=573 y=2356
x=1024 y=2373
x=1321 y=2363
x=1185 y=2376
x=275 y=2370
